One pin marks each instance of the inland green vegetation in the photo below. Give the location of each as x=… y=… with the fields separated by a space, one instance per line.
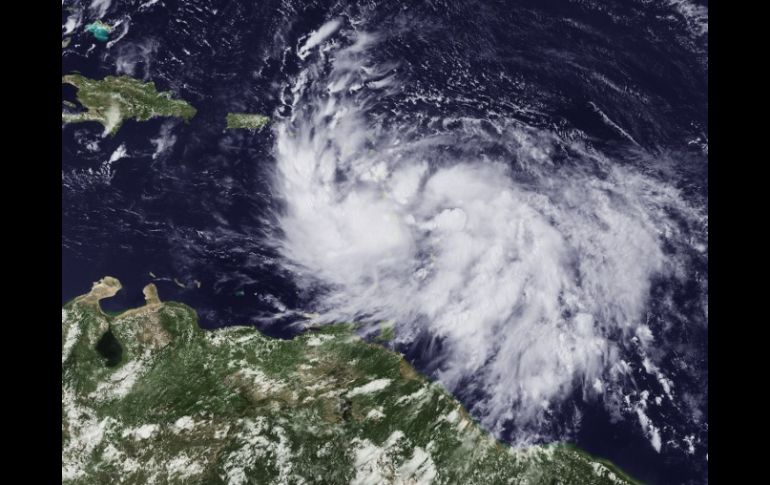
x=246 y=121
x=150 y=397
x=112 y=100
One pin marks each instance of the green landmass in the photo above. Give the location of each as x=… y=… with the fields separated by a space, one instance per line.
x=100 y=30
x=112 y=100
x=65 y=42
x=149 y=397
x=387 y=332
x=247 y=121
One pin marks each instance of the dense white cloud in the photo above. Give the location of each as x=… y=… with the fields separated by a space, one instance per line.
x=318 y=36
x=534 y=278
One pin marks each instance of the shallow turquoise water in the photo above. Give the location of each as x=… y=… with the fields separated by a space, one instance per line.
x=100 y=32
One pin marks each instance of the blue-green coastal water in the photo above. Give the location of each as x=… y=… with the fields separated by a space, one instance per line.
x=100 y=31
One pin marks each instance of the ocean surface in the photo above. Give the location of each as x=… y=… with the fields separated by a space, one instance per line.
x=580 y=310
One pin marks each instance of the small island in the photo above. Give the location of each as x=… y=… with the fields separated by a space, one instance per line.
x=246 y=121
x=100 y=30
x=112 y=100
x=150 y=397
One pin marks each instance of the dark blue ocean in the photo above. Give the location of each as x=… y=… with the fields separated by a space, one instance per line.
x=188 y=205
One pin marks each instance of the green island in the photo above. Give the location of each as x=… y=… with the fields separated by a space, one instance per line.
x=100 y=30
x=112 y=100
x=150 y=397
x=387 y=332
x=247 y=121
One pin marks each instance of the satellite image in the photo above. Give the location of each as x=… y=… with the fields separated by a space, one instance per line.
x=381 y=242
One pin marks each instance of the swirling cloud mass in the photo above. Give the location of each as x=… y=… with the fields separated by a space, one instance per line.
x=535 y=273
